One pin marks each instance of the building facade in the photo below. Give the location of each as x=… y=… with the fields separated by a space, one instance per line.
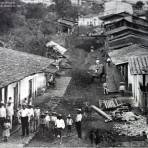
x=22 y=75
x=123 y=29
x=89 y=20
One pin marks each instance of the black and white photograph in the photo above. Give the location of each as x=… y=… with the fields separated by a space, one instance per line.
x=73 y=73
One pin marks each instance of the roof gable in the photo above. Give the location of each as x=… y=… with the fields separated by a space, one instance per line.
x=16 y=65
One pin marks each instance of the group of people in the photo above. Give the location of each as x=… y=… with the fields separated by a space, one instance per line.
x=6 y=118
x=54 y=124
x=49 y=123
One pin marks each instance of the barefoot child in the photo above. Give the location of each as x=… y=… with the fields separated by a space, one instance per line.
x=6 y=129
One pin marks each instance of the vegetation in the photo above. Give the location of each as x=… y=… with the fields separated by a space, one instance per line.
x=28 y=28
x=139 y=5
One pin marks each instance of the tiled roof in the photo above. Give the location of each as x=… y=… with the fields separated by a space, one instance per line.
x=16 y=65
x=123 y=54
x=139 y=65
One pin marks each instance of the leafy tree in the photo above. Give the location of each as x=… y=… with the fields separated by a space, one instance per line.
x=139 y=5
x=97 y=8
x=35 y=11
x=6 y=20
x=64 y=8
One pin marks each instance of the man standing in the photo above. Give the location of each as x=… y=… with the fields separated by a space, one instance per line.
x=31 y=117
x=60 y=124
x=36 y=117
x=10 y=112
x=2 y=114
x=105 y=88
x=24 y=114
x=78 y=123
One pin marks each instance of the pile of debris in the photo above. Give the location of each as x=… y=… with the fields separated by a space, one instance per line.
x=132 y=128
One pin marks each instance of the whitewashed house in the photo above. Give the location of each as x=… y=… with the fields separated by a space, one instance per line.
x=89 y=20
x=46 y=2
x=76 y=2
x=22 y=75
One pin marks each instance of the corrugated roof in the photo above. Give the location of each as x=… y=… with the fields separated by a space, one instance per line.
x=123 y=54
x=16 y=65
x=67 y=22
x=56 y=47
x=138 y=65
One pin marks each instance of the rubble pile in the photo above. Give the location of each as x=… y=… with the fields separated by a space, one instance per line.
x=132 y=128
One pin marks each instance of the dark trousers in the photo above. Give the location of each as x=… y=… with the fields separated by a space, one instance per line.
x=25 y=126
x=2 y=119
x=78 y=128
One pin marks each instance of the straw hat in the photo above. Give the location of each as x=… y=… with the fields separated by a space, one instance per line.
x=46 y=112
x=69 y=116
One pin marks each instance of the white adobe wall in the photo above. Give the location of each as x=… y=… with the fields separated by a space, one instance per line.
x=38 y=81
x=114 y=7
x=10 y=91
x=84 y=21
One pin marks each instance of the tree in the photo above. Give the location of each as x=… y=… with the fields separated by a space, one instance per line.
x=97 y=8
x=139 y=5
x=6 y=20
x=35 y=11
x=65 y=9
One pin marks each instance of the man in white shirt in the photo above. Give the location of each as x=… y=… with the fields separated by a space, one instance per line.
x=52 y=123
x=37 y=113
x=2 y=114
x=60 y=124
x=24 y=114
x=78 y=123
x=47 y=119
x=10 y=112
x=31 y=117
x=105 y=88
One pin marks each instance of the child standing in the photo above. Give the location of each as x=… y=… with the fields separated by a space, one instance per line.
x=6 y=129
x=69 y=123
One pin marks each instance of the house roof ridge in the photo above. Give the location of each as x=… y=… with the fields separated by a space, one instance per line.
x=25 y=53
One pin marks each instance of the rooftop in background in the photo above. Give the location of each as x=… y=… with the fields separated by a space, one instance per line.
x=122 y=55
x=56 y=47
x=139 y=65
x=124 y=16
x=67 y=22
x=114 y=7
x=47 y=2
x=16 y=65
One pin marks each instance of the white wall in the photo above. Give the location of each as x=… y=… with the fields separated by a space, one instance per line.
x=76 y=2
x=47 y=2
x=86 y=21
x=38 y=81
x=10 y=91
x=114 y=7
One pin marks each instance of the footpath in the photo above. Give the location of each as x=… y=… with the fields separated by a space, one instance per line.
x=16 y=140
